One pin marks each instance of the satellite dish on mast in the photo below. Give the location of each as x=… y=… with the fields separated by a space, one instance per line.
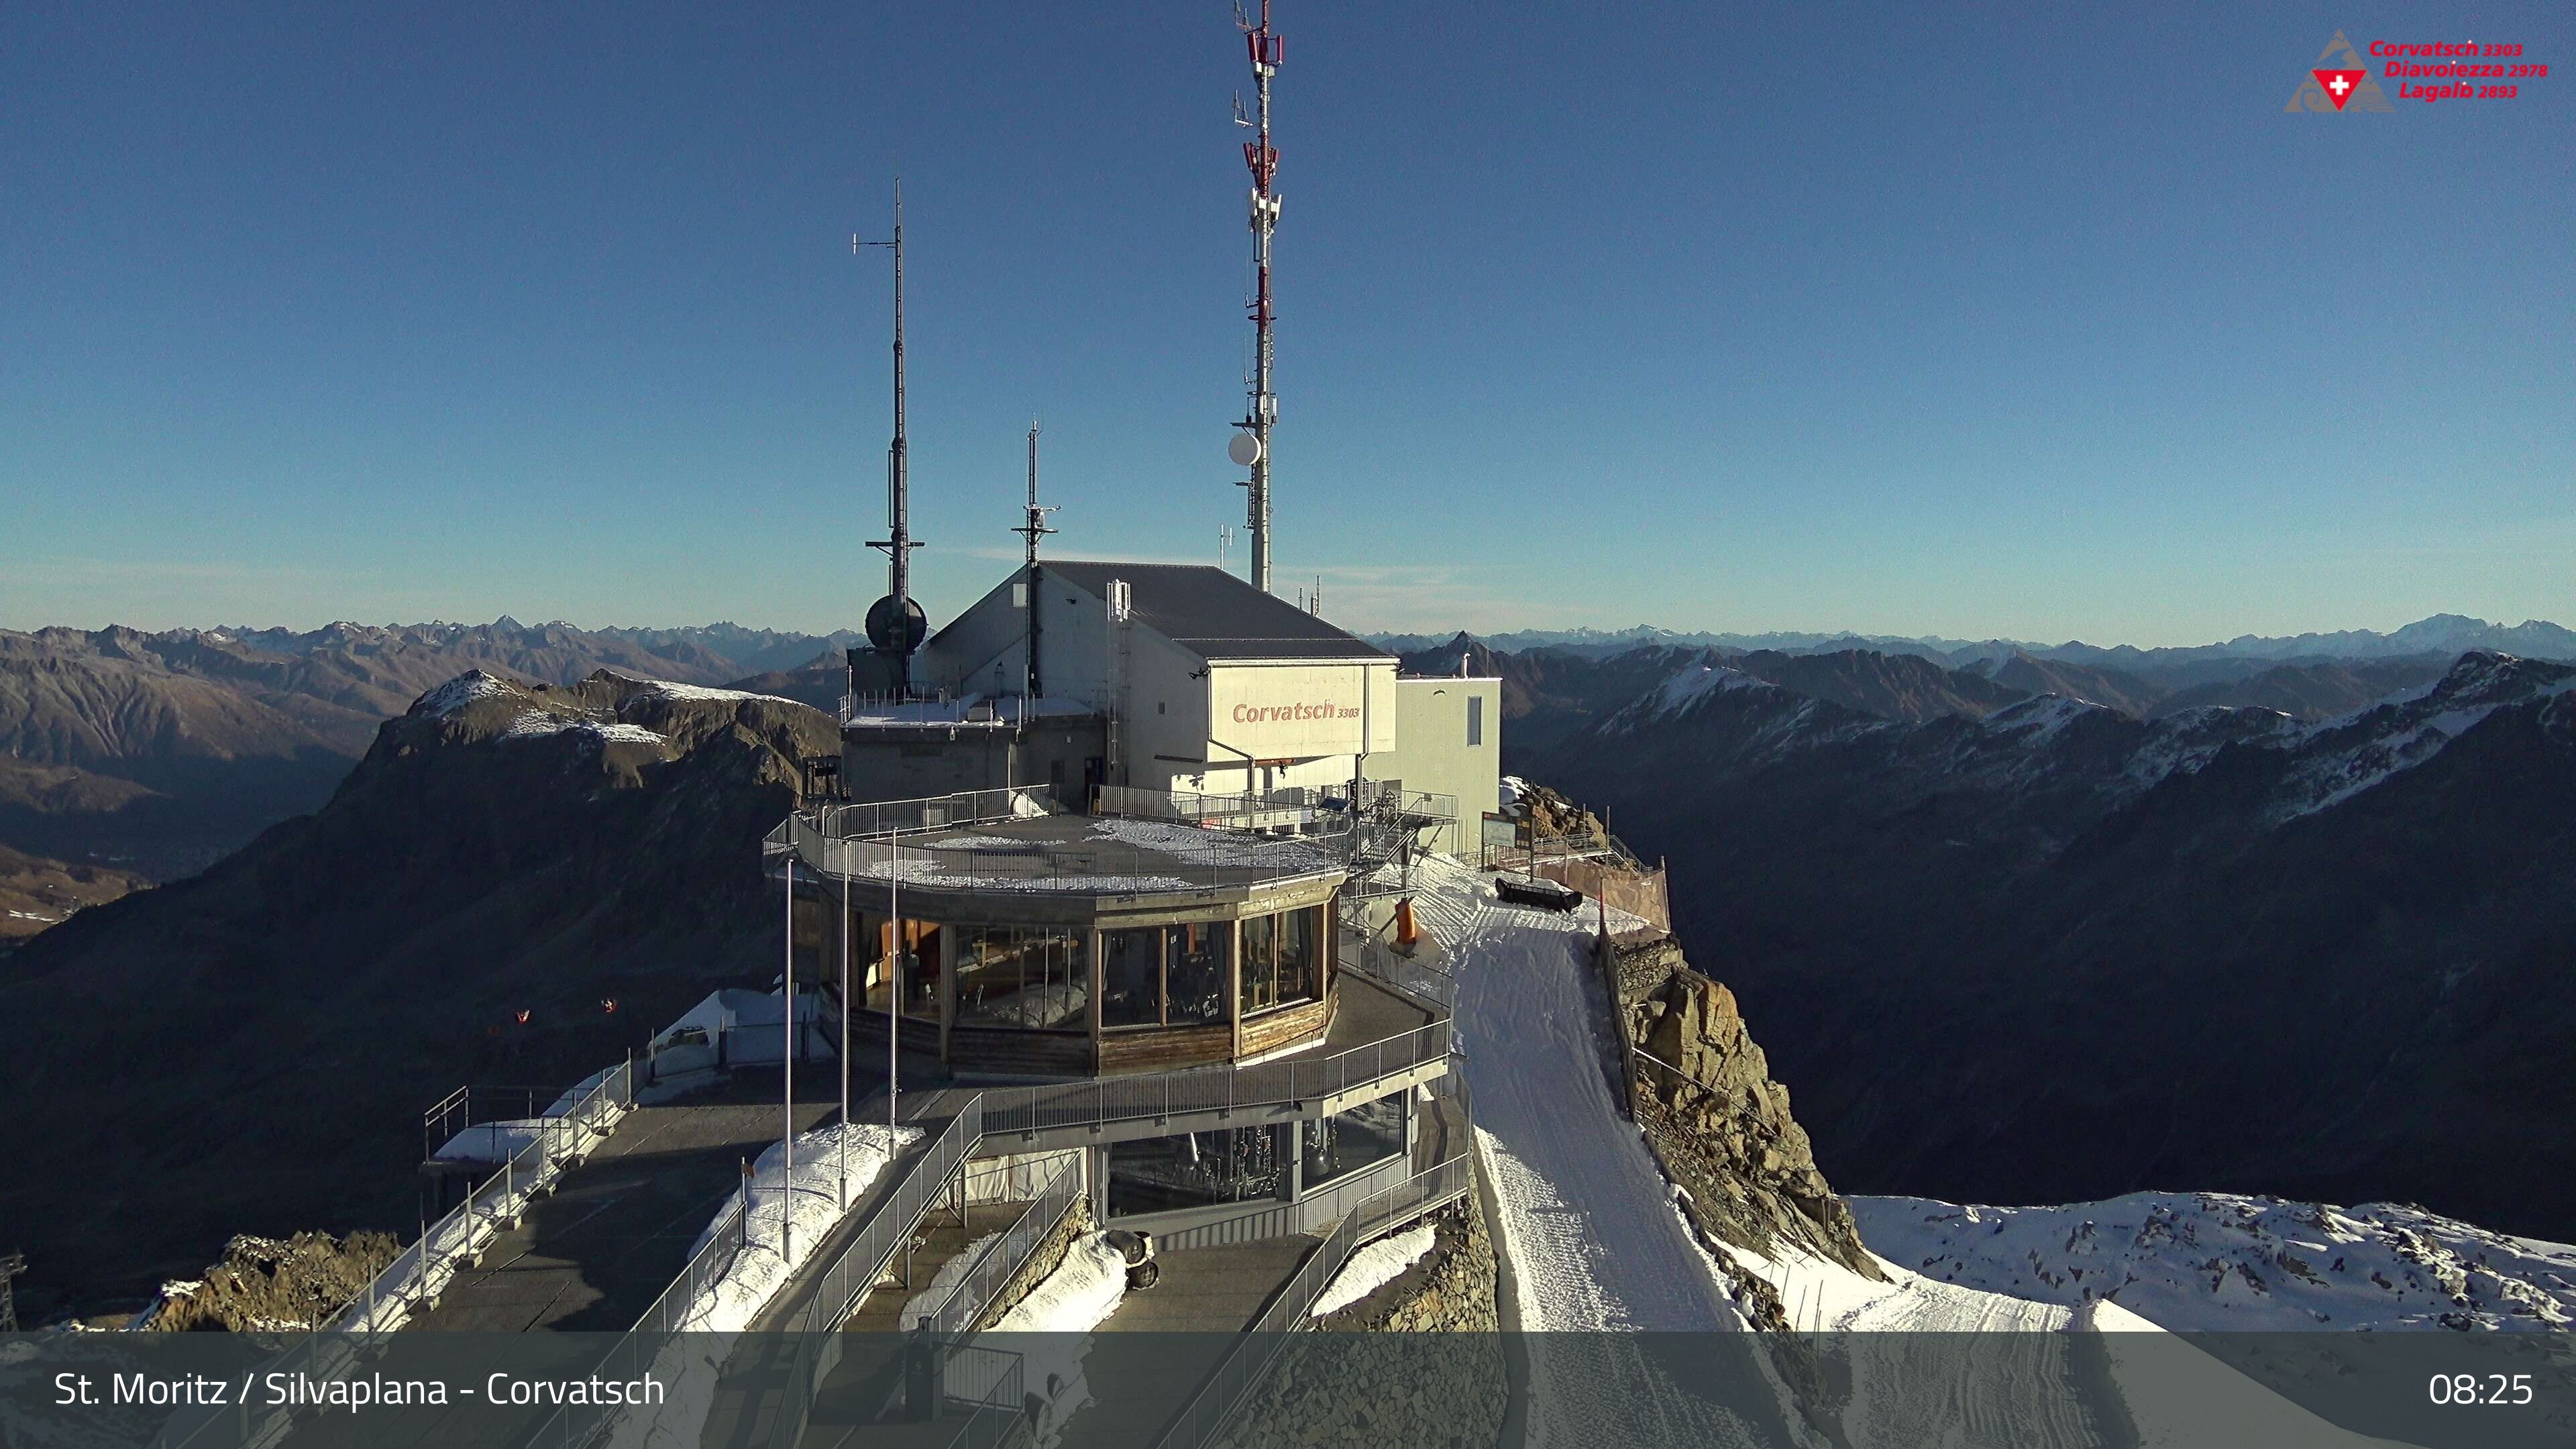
x=1245 y=450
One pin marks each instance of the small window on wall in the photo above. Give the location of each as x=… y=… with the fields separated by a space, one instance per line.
x=1194 y=1169
x=1475 y=719
x=1283 y=959
x=1339 y=1145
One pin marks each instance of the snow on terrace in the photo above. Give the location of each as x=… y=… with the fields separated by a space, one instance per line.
x=807 y=1208
x=1083 y=855
x=1372 y=1268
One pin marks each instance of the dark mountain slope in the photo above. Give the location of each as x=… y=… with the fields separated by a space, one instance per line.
x=2314 y=690
x=2099 y=684
x=2063 y=954
x=1887 y=686
x=245 y=1049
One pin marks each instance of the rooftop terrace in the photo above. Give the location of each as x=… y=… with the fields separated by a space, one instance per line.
x=1022 y=841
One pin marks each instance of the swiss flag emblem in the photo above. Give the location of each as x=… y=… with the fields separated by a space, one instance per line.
x=2338 y=84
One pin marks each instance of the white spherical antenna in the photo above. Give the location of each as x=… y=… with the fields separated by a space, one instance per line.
x=1245 y=450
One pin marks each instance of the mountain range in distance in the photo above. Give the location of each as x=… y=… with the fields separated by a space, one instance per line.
x=129 y=757
x=2448 y=635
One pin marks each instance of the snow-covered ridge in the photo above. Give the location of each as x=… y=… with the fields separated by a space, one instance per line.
x=1682 y=693
x=2211 y=1261
x=2024 y=742
x=461 y=691
x=668 y=690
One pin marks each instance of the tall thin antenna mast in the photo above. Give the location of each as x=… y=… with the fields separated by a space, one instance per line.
x=1036 y=527
x=1252 y=448
x=1033 y=530
x=896 y=624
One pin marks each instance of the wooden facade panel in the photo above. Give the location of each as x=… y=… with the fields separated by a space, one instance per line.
x=1031 y=1053
x=1162 y=1048
x=1286 y=1026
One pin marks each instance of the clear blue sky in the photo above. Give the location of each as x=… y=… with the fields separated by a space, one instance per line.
x=2044 y=324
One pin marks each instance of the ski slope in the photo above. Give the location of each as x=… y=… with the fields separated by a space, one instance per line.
x=1631 y=1336
x=1586 y=1219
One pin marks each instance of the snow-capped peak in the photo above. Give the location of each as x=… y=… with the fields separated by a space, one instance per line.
x=461 y=691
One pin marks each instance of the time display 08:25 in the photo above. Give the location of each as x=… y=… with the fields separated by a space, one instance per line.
x=2480 y=1388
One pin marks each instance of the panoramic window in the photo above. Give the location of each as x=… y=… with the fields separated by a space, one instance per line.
x=1030 y=978
x=1131 y=977
x=1345 y=1142
x=1194 y=967
x=1194 y=1169
x=1283 y=959
x=1475 y=719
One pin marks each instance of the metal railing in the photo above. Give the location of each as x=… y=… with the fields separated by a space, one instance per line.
x=1210 y=1411
x=886 y=818
x=1108 y=1100
x=1411 y=975
x=469 y=1107
x=858 y=1268
x=420 y=1270
x=966 y=1303
x=1191 y=859
x=415 y=1274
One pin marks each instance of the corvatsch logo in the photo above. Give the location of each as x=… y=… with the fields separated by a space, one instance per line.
x=2339 y=80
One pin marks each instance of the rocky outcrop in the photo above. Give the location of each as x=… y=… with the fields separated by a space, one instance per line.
x=264 y=1285
x=507 y=862
x=1423 y=1366
x=1451 y=1290
x=1702 y=1093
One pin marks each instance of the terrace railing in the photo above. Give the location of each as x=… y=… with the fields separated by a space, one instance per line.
x=1108 y=1100
x=886 y=818
x=1103 y=865
x=1211 y=1411
x=421 y=1269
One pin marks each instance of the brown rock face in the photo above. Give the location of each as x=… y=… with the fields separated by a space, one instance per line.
x=1704 y=1095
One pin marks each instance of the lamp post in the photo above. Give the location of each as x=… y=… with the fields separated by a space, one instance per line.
x=843 y=1162
x=787 y=1183
x=894 y=990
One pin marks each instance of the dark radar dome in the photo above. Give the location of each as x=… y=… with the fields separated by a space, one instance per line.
x=898 y=626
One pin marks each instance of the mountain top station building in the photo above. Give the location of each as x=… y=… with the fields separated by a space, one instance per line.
x=1126 y=879
x=1165 y=677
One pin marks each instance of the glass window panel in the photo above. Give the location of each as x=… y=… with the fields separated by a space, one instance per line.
x=1024 y=977
x=1301 y=954
x=1260 y=963
x=1195 y=971
x=1131 y=984
x=1345 y=1142
x=915 y=963
x=1193 y=1169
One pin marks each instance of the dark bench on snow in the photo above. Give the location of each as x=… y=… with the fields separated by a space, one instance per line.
x=1530 y=890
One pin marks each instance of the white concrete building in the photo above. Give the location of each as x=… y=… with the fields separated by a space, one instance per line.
x=1172 y=677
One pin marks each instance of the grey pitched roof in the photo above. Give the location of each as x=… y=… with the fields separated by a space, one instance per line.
x=1215 y=615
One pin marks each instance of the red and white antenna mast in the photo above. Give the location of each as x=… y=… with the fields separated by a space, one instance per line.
x=1252 y=446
